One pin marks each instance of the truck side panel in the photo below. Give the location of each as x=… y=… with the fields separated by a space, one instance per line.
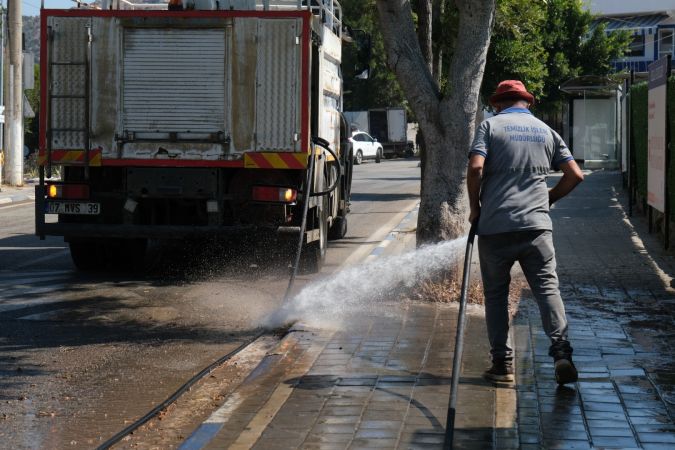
x=278 y=79
x=397 y=126
x=176 y=88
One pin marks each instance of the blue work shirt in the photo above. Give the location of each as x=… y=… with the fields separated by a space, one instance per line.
x=519 y=150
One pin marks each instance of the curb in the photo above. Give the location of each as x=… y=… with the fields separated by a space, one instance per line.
x=16 y=198
x=9 y=194
x=209 y=428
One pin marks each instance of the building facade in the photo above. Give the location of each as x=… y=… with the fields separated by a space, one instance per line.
x=651 y=23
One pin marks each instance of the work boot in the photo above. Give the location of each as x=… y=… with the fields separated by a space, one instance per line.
x=565 y=371
x=500 y=372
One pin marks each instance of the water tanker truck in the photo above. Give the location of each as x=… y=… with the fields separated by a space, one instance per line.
x=169 y=123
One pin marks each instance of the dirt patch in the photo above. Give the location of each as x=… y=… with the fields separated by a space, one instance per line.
x=446 y=288
x=175 y=424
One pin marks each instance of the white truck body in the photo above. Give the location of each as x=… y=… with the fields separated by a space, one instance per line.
x=388 y=125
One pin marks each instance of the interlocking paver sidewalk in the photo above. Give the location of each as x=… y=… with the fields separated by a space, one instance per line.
x=381 y=380
x=620 y=306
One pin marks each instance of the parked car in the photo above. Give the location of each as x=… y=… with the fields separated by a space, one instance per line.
x=365 y=147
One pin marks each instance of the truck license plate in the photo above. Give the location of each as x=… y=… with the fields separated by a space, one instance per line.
x=85 y=208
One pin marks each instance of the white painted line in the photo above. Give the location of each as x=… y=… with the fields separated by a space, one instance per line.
x=5 y=200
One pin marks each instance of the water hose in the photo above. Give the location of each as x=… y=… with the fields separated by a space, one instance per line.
x=305 y=206
x=459 y=340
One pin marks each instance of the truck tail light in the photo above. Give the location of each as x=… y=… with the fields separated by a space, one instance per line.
x=68 y=191
x=274 y=194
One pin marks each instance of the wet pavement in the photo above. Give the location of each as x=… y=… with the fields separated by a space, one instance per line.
x=82 y=355
x=380 y=379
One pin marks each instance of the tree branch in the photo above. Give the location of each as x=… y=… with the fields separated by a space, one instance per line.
x=468 y=62
x=405 y=57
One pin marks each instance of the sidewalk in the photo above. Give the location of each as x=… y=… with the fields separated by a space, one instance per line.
x=12 y=194
x=382 y=379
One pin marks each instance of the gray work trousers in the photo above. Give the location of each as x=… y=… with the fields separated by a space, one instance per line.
x=536 y=255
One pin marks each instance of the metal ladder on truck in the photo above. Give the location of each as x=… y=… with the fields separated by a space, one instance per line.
x=68 y=95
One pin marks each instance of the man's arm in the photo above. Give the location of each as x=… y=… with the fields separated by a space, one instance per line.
x=572 y=176
x=474 y=175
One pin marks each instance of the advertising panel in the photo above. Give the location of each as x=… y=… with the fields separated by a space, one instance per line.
x=656 y=134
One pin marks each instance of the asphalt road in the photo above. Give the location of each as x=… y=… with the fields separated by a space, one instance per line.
x=81 y=355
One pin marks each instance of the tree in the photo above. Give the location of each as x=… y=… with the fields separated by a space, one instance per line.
x=573 y=49
x=447 y=120
x=32 y=125
x=517 y=50
x=380 y=89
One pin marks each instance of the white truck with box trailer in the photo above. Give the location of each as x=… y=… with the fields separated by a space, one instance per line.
x=388 y=125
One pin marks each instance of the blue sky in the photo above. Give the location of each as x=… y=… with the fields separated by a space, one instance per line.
x=32 y=7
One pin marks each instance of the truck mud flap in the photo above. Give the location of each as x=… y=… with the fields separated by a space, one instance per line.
x=292 y=232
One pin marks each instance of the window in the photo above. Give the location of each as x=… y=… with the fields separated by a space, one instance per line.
x=359 y=137
x=665 y=42
x=637 y=46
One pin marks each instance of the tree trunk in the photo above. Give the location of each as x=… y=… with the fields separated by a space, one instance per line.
x=437 y=27
x=424 y=30
x=447 y=123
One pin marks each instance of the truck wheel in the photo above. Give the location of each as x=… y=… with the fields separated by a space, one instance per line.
x=378 y=156
x=87 y=255
x=358 y=159
x=339 y=228
x=314 y=253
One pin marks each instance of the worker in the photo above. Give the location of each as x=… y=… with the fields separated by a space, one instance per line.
x=509 y=162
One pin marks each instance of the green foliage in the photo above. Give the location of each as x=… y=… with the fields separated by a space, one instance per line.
x=381 y=89
x=545 y=44
x=638 y=96
x=517 y=48
x=32 y=126
x=598 y=51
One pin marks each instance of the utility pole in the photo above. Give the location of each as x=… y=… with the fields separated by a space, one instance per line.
x=14 y=104
x=2 y=87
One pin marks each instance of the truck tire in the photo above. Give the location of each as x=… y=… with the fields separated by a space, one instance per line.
x=86 y=255
x=314 y=254
x=127 y=255
x=339 y=228
x=358 y=158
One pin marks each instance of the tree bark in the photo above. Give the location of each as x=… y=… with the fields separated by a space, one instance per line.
x=424 y=30
x=447 y=123
x=437 y=15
